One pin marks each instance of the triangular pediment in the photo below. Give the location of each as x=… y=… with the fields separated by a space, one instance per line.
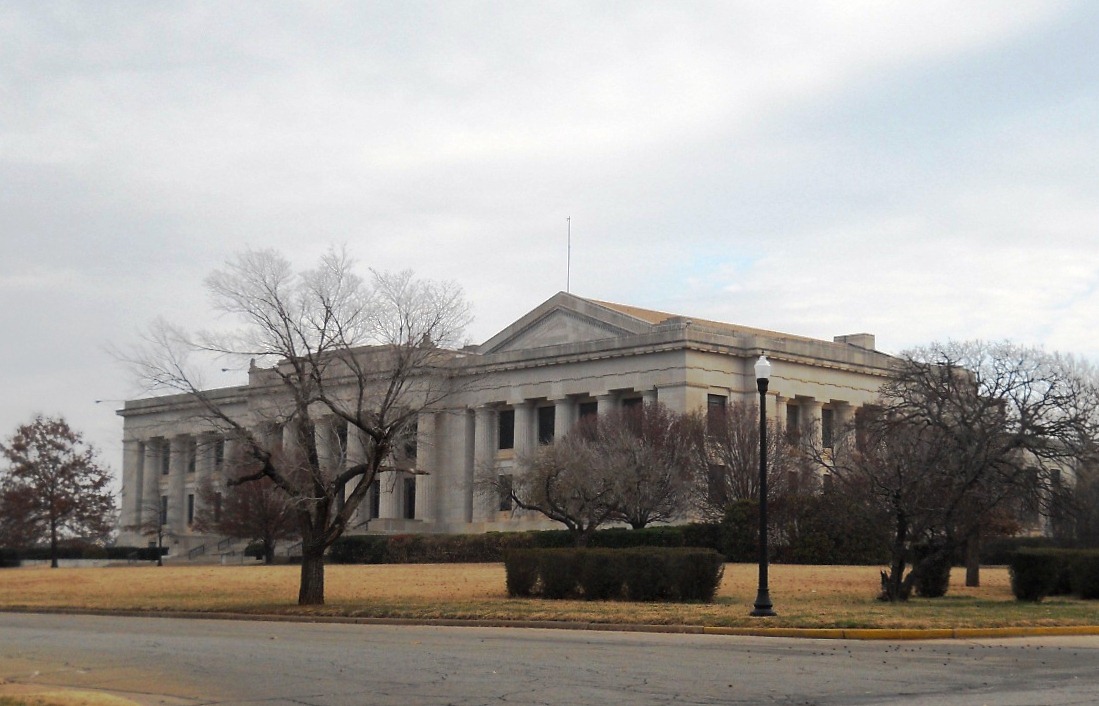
x=564 y=319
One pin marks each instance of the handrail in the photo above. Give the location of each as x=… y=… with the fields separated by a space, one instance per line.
x=225 y=543
x=291 y=548
x=196 y=551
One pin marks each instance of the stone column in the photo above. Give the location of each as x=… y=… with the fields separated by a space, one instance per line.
x=525 y=429
x=356 y=455
x=779 y=412
x=177 y=495
x=604 y=403
x=150 y=495
x=563 y=416
x=648 y=397
x=484 y=459
x=810 y=424
x=133 y=459
x=426 y=479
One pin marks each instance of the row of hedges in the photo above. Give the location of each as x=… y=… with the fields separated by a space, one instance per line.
x=13 y=557
x=1037 y=573
x=492 y=546
x=637 y=574
x=735 y=539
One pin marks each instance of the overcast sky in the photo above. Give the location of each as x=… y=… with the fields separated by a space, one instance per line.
x=921 y=171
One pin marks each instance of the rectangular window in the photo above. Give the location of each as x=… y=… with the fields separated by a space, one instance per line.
x=827 y=423
x=545 y=424
x=341 y=438
x=793 y=421
x=163 y=509
x=411 y=432
x=375 y=503
x=191 y=449
x=165 y=456
x=588 y=409
x=506 y=429
x=190 y=509
x=219 y=454
x=505 y=488
x=715 y=411
x=632 y=403
x=410 y=498
x=217 y=506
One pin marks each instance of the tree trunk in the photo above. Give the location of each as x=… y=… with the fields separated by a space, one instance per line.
x=973 y=559
x=53 y=545
x=311 y=591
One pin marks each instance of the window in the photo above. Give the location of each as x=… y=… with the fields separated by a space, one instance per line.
x=410 y=498
x=715 y=411
x=410 y=434
x=217 y=506
x=827 y=423
x=588 y=409
x=219 y=454
x=632 y=403
x=192 y=451
x=505 y=491
x=375 y=500
x=190 y=509
x=164 y=456
x=506 y=429
x=545 y=424
x=163 y=509
x=793 y=421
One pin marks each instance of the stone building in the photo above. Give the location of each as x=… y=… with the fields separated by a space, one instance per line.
x=568 y=357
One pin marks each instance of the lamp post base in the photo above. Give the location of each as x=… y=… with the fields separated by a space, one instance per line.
x=763 y=606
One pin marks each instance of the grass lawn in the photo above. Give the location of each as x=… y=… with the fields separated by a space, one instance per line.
x=804 y=596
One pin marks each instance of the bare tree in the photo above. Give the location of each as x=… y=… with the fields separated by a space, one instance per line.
x=370 y=356
x=257 y=511
x=153 y=523
x=725 y=456
x=562 y=481
x=53 y=486
x=645 y=452
x=963 y=432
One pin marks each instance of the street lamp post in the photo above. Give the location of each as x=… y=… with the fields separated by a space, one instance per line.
x=763 y=606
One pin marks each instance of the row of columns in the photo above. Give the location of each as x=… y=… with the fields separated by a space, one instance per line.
x=167 y=467
x=175 y=467
x=811 y=413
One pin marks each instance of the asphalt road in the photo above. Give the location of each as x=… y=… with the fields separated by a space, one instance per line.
x=164 y=661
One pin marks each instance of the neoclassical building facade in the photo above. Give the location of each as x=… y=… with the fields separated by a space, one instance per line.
x=567 y=358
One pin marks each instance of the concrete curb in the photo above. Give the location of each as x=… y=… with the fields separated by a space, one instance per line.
x=893 y=634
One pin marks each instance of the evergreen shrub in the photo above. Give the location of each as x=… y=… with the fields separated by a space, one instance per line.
x=521 y=569
x=1084 y=572
x=1034 y=572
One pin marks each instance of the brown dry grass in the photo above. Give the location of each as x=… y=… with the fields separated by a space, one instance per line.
x=804 y=596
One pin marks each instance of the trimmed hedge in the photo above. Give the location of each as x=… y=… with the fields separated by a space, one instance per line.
x=1037 y=573
x=1083 y=570
x=1034 y=572
x=91 y=551
x=492 y=546
x=637 y=574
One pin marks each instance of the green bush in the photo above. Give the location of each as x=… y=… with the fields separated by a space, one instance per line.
x=1001 y=550
x=698 y=573
x=933 y=579
x=1034 y=572
x=740 y=532
x=601 y=574
x=640 y=573
x=648 y=576
x=521 y=568
x=559 y=572
x=359 y=549
x=1084 y=572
